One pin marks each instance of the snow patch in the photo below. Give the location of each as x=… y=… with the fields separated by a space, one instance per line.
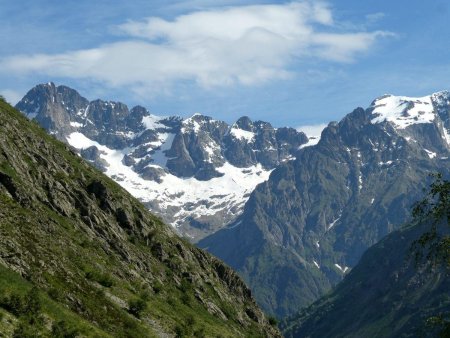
x=159 y=157
x=152 y=122
x=332 y=224
x=316 y=264
x=211 y=149
x=343 y=269
x=242 y=134
x=289 y=158
x=191 y=124
x=430 y=153
x=76 y=124
x=403 y=111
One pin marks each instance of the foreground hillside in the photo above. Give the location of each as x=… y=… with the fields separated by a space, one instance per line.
x=400 y=288
x=79 y=255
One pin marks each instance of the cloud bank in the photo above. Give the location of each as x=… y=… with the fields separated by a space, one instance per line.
x=314 y=130
x=246 y=45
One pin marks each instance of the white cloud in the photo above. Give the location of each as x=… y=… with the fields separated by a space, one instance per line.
x=344 y=47
x=231 y=24
x=314 y=130
x=243 y=44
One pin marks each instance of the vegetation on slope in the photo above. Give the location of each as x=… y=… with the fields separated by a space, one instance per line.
x=80 y=256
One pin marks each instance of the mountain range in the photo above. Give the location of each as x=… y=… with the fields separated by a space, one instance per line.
x=308 y=225
x=291 y=219
x=195 y=173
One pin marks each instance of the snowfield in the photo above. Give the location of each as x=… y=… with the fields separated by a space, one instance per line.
x=226 y=193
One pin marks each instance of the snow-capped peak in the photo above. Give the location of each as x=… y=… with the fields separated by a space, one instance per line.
x=195 y=122
x=403 y=111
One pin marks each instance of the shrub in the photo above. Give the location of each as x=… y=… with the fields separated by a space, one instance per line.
x=273 y=321
x=103 y=279
x=13 y=304
x=187 y=328
x=157 y=287
x=136 y=307
x=32 y=302
x=62 y=330
x=145 y=295
x=29 y=305
x=25 y=331
x=54 y=294
x=200 y=333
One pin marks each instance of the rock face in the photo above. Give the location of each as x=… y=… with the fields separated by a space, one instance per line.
x=102 y=263
x=195 y=173
x=52 y=106
x=309 y=224
x=386 y=295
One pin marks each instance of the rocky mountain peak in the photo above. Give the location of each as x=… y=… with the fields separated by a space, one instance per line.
x=424 y=122
x=107 y=115
x=52 y=107
x=244 y=123
x=134 y=120
x=205 y=124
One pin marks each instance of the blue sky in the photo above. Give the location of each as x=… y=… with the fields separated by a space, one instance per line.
x=289 y=63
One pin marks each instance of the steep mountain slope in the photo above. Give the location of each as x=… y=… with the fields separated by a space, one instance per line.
x=79 y=254
x=195 y=173
x=386 y=295
x=309 y=224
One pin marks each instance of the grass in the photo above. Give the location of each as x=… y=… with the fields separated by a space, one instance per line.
x=17 y=294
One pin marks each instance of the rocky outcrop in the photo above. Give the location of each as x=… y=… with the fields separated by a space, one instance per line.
x=53 y=107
